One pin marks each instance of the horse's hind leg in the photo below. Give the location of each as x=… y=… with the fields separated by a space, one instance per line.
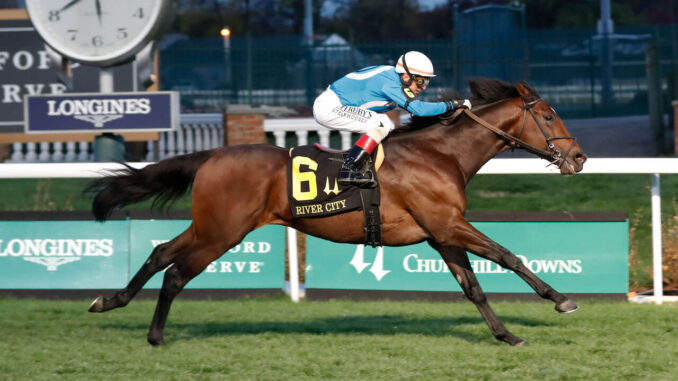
x=457 y=261
x=162 y=256
x=177 y=276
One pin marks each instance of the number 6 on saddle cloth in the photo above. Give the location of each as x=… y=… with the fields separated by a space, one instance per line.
x=313 y=190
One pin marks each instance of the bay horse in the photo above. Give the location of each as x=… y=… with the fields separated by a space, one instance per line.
x=237 y=189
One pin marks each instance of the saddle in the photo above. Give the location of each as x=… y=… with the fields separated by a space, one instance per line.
x=313 y=189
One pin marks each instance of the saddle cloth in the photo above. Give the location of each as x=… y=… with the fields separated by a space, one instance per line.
x=312 y=186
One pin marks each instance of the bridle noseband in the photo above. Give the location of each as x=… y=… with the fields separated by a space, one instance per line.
x=553 y=154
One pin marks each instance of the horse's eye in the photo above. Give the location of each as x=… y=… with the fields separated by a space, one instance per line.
x=548 y=117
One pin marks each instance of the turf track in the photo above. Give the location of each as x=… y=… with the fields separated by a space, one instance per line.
x=274 y=339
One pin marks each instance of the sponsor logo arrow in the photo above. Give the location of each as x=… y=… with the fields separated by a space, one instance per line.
x=358 y=260
x=377 y=268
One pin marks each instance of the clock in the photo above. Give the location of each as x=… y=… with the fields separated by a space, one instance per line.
x=99 y=32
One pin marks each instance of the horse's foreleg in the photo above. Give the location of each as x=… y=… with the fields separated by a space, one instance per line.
x=477 y=243
x=160 y=258
x=457 y=261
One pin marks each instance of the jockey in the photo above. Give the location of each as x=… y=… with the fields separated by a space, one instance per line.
x=358 y=102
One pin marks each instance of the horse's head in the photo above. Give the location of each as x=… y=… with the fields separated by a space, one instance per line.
x=541 y=128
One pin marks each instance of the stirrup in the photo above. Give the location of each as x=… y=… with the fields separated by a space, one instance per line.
x=362 y=180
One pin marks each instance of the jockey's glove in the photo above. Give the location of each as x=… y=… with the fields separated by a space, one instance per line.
x=458 y=103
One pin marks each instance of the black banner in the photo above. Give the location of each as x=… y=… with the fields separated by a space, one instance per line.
x=25 y=70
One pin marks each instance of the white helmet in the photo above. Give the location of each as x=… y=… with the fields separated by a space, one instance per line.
x=415 y=63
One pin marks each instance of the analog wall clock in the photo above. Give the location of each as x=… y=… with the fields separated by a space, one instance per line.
x=99 y=32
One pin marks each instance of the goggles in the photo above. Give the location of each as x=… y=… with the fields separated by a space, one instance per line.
x=421 y=81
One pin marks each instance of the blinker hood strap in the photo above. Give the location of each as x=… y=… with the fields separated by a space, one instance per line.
x=406 y=84
x=407 y=70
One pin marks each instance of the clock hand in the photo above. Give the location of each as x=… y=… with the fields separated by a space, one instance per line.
x=98 y=4
x=70 y=4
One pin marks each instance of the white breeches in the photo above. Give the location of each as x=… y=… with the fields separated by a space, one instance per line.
x=329 y=112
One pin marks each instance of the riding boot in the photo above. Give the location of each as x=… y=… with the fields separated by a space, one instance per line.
x=352 y=169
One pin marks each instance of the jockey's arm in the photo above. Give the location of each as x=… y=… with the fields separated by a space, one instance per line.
x=415 y=106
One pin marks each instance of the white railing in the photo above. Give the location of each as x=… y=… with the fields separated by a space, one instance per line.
x=197 y=132
x=301 y=127
x=43 y=152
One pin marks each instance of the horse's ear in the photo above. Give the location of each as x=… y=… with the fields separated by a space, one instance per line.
x=522 y=89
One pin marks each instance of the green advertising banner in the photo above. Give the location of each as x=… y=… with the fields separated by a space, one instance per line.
x=257 y=262
x=573 y=257
x=63 y=254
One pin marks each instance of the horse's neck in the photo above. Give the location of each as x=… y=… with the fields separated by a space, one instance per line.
x=480 y=143
x=466 y=144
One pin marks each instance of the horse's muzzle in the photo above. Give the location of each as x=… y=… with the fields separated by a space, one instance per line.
x=574 y=163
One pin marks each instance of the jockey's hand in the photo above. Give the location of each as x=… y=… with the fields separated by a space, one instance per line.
x=459 y=103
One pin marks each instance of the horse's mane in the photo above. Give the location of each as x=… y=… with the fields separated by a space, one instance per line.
x=483 y=91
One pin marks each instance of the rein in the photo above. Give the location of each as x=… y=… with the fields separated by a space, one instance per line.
x=553 y=154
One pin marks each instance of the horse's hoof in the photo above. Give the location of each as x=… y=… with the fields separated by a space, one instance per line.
x=512 y=340
x=566 y=307
x=97 y=305
x=156 y=342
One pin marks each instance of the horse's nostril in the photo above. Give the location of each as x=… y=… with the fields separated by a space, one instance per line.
x=581 y=158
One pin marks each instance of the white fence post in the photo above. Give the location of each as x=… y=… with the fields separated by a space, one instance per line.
x=149 y=151
x=657 y=240
x=58 y=154
x=302 y=138
x=292 y=249
x=171 y=146
x=324 y=137
x=190 y=145
x=17 y=153
x=292 y=254
x=83 y=155
x=31 y=153
x=43 y=157
x=345 y=139
x=197 y=137
x=279 y=138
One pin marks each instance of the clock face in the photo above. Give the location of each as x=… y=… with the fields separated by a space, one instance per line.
x=100 y=32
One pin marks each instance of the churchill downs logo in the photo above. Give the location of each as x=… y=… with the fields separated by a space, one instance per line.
x=53 y=253
x=412 y=263
x=98 y=111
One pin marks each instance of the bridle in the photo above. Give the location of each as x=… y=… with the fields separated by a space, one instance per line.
x=553 y=154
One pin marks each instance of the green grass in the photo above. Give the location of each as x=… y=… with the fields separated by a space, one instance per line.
x=55 y=195
x=274 y=339
x=627 y=193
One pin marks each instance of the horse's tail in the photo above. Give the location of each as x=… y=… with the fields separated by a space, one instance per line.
x=164 y=181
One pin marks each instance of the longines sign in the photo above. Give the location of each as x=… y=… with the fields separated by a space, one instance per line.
x=66 y=255
x=117 y=112
x=63 y=254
